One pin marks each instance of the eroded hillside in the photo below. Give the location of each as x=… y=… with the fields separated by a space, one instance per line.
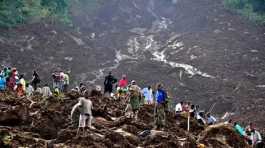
x=200 y=50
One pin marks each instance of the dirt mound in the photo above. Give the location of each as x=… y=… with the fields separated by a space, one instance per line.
x=221 y=136
x=47 y=123
x=10 y=137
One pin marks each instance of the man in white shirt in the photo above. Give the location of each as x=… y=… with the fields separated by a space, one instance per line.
x=46 y=91
x=29 y=90
x=257 y=139
x=148 y=95
x=85 y=114
x=179 y=107
x=200 y=118
x=254 y=136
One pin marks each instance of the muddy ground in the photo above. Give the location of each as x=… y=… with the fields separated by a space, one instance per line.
x=47 y=124
x=200 y=50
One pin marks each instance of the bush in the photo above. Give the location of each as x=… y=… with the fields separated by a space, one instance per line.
x=13 y=12
x=252 y=9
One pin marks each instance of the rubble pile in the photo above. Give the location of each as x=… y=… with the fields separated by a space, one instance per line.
x=40 y=122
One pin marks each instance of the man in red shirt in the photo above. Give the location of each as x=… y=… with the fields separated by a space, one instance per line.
x=123 y=82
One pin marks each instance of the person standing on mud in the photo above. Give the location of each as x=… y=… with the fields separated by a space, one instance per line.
x=123 y=82
x=29 y=90
x=2 y=83
x=85 y=114
x=20 y=91
x=6 y=72
x=66 y=82
x=35 y=80
x=135 y=97
x=46 y=91
x=22 y=81
x=12 y=81
x=108 y=83
x=160 y=115
x=148 y=95
x=61 y=81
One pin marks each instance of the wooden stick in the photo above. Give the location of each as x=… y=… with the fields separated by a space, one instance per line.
x=188 y=127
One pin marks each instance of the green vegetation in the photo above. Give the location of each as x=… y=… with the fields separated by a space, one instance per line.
x=252 y=9
x=14 y=12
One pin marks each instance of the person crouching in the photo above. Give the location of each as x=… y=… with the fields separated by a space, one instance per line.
x=85 y=118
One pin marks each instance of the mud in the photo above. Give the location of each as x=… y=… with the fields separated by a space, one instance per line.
x=47 y=124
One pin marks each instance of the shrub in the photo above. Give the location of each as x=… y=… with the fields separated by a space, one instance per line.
x=254 y=10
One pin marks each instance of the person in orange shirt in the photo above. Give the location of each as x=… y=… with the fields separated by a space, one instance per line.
x=20 y=91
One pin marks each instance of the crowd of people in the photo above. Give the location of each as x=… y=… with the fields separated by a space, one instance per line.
x=159 y=98
x=249 y=133
x=133 y=95
x=13 y=81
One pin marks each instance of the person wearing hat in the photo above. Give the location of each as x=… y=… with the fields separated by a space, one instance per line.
x=135 y=97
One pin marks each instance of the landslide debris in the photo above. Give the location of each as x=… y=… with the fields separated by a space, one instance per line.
x=39 y=122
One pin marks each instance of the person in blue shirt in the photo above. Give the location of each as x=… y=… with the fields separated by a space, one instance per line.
x=160 y=115
x=2 y=83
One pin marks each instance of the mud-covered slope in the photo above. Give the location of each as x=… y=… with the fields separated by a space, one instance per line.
x=200 y=50
x=37 y=123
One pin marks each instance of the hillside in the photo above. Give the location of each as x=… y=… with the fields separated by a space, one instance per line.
x=199 y=49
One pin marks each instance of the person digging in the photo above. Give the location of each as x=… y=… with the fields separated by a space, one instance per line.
x=85 y=117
